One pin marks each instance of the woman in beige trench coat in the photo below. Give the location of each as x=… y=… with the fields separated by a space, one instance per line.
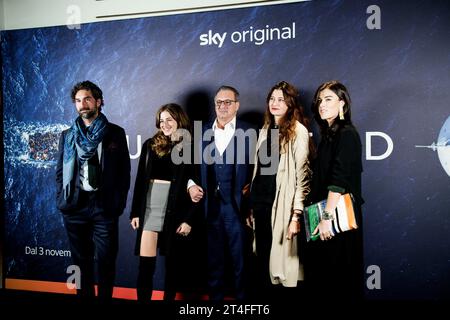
x=279 y=186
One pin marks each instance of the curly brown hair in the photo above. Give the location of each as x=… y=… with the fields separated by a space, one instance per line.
x=293 y=113
x=88 y=86
x=160 y=143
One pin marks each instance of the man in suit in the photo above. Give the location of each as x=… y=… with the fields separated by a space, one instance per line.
x=224 y=171
x=92 y=182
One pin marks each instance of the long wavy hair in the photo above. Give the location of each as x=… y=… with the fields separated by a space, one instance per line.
x=160 y=143
x=329 y=131
x=293 y=113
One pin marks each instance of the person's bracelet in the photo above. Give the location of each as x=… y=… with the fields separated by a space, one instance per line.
x=326 y=215
x=294 y=218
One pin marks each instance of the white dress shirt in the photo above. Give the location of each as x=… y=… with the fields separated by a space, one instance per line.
x=222 y=138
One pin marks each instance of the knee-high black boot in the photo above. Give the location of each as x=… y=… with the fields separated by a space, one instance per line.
x=145 y=279
x=170 y=281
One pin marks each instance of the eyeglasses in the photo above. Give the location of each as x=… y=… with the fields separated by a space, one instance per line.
x=224 y=102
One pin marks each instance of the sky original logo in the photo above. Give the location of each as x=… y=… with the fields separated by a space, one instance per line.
x=256 y=36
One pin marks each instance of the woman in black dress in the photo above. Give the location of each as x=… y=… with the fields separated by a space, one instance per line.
x=334 y=265
x=162 y=212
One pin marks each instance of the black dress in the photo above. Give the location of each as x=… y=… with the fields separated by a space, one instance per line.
x=261 y=199
x=335 y=267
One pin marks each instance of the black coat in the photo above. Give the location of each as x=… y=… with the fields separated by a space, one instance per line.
x=338 y=164
x=179 y=206
x=115 y=177
x=336 y=265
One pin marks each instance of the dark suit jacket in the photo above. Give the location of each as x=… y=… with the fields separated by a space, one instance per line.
x=115 y=177
x=243 y=155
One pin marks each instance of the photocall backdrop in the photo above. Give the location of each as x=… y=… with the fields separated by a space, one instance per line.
x=396 y=66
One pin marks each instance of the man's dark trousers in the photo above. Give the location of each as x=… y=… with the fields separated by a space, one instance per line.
x=93 y=235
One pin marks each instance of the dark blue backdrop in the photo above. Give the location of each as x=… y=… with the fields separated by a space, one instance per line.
x=398 y=78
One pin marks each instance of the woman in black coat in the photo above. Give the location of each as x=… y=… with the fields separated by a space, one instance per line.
x=162 y=212
x=334 y=264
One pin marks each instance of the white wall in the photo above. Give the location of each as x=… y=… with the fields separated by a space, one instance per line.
x=2 y=18
x=22 y=14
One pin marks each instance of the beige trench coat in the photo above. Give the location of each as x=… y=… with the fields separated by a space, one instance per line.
x=292 y=183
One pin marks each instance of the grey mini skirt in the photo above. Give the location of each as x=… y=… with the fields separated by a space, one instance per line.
x=157 y=195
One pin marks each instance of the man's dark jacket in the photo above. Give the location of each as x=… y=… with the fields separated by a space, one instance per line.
x=115 y=175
